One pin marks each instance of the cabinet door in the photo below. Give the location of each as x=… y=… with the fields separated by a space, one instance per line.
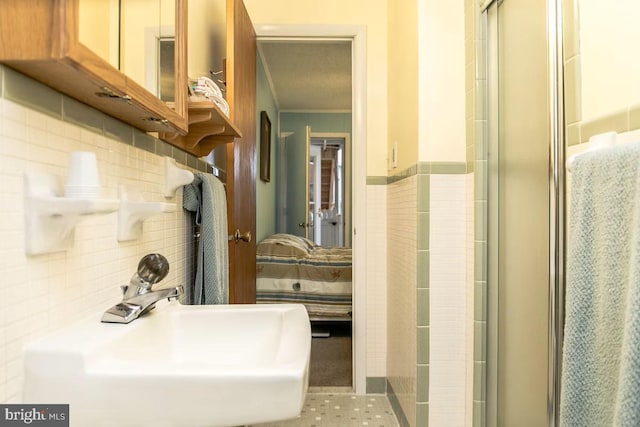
x=52 y=53
x=241 y=155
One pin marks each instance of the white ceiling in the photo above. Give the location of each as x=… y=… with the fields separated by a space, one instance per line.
x=308 y=75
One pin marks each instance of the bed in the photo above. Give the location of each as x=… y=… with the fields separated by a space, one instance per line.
x=292 y=269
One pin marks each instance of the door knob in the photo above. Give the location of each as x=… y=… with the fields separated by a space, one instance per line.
x=245 y=237
x=302 y=224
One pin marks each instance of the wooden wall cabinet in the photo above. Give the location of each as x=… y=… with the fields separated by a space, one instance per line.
x=39 y=38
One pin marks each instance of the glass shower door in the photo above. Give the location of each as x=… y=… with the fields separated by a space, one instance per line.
x=517 y=184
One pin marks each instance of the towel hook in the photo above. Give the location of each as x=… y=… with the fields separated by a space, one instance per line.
x=174 y=177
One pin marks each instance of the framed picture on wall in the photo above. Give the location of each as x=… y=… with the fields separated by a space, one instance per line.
x=265 y=147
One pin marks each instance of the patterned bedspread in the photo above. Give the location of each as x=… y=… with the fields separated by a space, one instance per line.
x=292 y=269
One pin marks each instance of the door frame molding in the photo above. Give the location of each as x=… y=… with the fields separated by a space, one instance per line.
x=357 y=33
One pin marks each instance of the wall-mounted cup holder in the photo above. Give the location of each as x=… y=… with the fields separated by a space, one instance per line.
x=51 y=218
x=134 y=210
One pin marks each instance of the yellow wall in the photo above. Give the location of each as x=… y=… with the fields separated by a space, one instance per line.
x=415 y=72
x=441 y=81
x=137 y=19
x=403 y=82
x=426 y=81
x=609 y=36
x=373 y=15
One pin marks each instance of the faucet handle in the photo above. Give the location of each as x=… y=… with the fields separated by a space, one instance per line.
x=178 y=294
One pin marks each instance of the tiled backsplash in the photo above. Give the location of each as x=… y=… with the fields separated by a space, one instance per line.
x=376 y=281
x=402 y=200
x=476 y=102
x=621 y=121
x=430 y=294
x=38 y=129
x=24 y=91
x=449 y=301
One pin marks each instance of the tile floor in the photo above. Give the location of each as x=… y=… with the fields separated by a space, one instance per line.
x=325 y=407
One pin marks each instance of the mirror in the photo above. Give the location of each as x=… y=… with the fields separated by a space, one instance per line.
x=136 y=37
x=99 y=28
x=326 y=196
x=207 y=38
x=601 y=66
x=147 y=34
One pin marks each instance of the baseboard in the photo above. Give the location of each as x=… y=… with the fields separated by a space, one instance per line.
x=395 y=405
x=376 y=385
x=380 y=385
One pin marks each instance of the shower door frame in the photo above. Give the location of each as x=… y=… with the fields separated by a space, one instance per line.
x=557 y=206
x=488 y=16
x=491 y=184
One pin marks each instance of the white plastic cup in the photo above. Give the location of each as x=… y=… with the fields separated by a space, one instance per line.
x=83 y=181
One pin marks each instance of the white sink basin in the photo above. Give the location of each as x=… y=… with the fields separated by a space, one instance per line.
x=222 y=365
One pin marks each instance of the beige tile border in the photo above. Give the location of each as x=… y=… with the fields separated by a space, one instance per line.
x=619 y=121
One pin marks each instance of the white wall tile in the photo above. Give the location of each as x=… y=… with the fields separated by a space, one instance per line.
x=448 y=314
x=402 y=200
x=41 y=293
x=376 y=281
x=470 y=297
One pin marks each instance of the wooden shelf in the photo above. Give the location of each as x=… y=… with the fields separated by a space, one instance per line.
x=208 y=128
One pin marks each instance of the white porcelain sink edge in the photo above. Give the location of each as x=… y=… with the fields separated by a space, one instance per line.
x=177 y=366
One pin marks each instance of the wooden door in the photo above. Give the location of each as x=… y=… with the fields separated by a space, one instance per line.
x=241 y=155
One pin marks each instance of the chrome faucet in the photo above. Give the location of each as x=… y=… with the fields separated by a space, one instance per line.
x=138 y=297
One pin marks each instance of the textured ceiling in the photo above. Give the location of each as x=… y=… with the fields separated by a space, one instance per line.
x=309 y=75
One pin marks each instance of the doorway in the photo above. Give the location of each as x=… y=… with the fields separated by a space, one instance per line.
x=356 y=36
x=329 y=196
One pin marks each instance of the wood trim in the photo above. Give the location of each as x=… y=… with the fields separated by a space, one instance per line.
x=241 y=158
x=229 y=67
x=30 y=44
x=69 y=29
x=208 y=127
x=181 y=106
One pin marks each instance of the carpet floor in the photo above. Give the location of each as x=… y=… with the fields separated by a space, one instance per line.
x=331 y=357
